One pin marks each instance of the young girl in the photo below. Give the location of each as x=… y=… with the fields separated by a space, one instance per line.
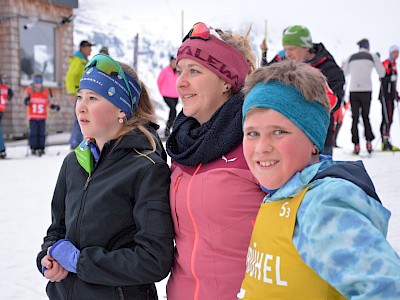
x=37 y=101
x=321 y=231
x=111 y=235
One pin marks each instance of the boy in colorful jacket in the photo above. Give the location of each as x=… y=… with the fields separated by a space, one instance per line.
x=321 y=231
x=37 y=102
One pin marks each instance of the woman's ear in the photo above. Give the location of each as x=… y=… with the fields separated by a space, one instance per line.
x=227 y=87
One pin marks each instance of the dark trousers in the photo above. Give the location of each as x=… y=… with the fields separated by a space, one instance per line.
x=171 y=102
x=2 y=145
x=360 y=102
x=37 y=134
x=387 y=117
x=329 y=141
x=76 y=133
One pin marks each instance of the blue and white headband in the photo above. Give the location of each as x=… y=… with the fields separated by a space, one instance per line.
x=112 y=87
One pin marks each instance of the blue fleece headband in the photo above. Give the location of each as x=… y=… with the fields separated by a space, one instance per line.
x=310 y=117
x=112 y=88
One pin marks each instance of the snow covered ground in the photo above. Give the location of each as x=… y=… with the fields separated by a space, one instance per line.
x=27 y=185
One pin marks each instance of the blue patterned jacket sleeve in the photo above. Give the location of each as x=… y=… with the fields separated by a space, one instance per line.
x=341 y=234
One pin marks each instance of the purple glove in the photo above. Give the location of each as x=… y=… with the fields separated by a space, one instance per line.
x=66 y=254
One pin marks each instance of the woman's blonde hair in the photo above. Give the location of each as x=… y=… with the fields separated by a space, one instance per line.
x=144 y=112
x=242 y=44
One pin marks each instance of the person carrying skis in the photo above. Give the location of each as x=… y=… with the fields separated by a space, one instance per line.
x=37 y=102
x=264 y=49
x=388 y=94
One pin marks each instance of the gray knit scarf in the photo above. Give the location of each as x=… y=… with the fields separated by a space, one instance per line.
x=191 y=143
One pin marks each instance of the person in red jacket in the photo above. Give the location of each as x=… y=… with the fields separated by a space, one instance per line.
x=37 y=102
x=388 y=94
x=5 y=96
x=166 y=82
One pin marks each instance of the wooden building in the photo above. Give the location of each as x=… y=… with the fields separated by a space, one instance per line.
x=36 y=36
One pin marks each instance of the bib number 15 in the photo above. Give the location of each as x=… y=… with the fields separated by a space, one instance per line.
x=38 y=108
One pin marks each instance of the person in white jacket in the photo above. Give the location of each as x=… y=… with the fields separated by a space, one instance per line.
x=359 y=66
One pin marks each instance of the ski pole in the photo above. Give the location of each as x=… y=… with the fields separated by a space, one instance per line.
x=398 y=108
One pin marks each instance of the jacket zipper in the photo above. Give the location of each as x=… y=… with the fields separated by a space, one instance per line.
x=196 y=237
x=120 y=293
x=178 y=180
x=80 y=212
x=87 y=183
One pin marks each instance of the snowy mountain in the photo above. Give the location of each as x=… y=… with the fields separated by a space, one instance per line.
x=153 y=52
x=154 y=47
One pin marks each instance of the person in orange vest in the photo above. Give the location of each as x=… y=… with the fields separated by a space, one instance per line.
x=5 y=96
x=37 y=102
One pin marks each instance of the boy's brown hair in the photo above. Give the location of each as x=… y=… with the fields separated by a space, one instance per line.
x=307 y=79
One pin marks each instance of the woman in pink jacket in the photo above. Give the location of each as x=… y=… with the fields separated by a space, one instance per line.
x=166 y=82
x=214 y=197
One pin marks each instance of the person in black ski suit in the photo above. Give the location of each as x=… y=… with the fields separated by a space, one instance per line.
x=111 y=235
x=388 y=94
x=298 y=46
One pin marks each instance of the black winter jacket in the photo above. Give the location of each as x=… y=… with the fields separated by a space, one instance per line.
x=119 y=219
x=324 y=61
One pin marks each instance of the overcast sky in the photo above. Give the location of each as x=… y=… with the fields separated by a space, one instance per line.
x=338 y=24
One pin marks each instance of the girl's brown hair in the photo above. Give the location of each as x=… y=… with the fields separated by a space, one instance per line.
x=144 y=112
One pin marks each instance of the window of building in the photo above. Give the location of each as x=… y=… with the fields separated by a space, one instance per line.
x=37 y=50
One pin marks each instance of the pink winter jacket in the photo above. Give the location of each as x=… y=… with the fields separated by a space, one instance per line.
x=213 y=207
x=166 y=82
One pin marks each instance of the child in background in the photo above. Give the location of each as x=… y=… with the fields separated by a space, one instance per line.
x=321 y=231
x=37 y=102
x=5 y=95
